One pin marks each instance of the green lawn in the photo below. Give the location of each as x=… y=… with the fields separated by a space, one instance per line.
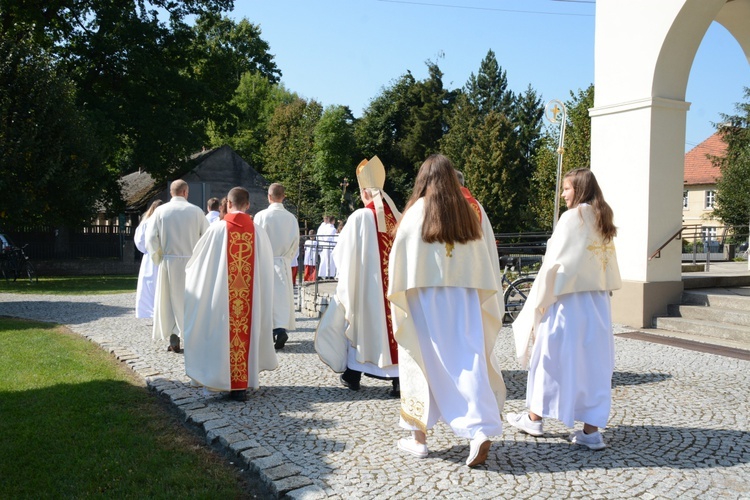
x=72 y=285
x=77 y=423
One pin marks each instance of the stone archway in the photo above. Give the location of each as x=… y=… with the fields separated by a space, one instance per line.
x=644 y=50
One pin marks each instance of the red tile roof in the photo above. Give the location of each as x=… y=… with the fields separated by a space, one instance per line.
x=698 y=167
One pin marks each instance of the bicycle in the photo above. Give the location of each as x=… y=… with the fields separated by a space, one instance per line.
x=17 y=264
x=517 y=290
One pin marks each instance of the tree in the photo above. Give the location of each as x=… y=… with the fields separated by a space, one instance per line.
x=733 y=187
x=50 y=170
x=246 y=129
x=577 y=154
x=426 y=118
x=289 y=155
x=223 y=53
x=492 y=174
x=462 y=122
x=335 y=158
x=488 y=90
x=151 y=80
x=381 y=130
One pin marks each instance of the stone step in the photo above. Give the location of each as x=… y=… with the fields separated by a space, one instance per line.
x=725 y=299
x=705 y=328
x=713 y=313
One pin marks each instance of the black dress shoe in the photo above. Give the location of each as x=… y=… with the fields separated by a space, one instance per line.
x=350 y=379
x=238 y=395
x=174 y=344
x=281 y=338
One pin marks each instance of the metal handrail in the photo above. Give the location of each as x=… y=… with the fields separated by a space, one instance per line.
x=677 y=235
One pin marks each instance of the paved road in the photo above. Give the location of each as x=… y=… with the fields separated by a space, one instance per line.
x=679 y=424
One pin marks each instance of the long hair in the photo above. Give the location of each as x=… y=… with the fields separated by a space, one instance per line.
x=587 y=190
x=448 y=217
x=151 y=209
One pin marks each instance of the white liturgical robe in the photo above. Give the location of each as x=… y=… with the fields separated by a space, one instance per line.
x=326 y=238
x=173 y=230
x=213 y=353
x=144 y=292
x=355 y=324
x=568 y=316
x=283 y=232
x=423 y=277
x=576 y=260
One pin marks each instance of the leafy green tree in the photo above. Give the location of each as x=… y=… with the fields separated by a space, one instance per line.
x=223 y=53
x=577 y=154
x=578 y=131
x=289 y=155
x=150 y=79
x=253 y=105
x=733 y=187
x=50 y=168
x=335 y=158
x=381 y=130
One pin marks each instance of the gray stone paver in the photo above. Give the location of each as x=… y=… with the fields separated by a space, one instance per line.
x=679 y=424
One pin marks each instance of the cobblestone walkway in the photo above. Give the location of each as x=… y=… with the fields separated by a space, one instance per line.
x=679 y=424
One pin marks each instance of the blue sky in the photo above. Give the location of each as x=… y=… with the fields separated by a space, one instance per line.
x=346 y=51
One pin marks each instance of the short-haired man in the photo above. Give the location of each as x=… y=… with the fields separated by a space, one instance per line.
x=212 y=206
x=355 y=334
x=170 y=237
x=228 y=303
x=283 y=231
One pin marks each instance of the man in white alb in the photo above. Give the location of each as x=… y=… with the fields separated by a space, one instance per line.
x=228 y=295
x=283 y=231
x=173 y=231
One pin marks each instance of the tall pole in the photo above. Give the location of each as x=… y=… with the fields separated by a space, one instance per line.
x=556 y=113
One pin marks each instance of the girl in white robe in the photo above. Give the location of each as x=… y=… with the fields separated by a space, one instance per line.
x=144 y=292
x=446 y=316
x=568 y=310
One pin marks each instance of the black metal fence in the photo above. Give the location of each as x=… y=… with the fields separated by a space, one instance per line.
x=89 y=242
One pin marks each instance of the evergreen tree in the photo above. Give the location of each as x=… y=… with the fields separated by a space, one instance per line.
x=381 y=130
x=488 y=90
x=462 y=122
x=491 y=172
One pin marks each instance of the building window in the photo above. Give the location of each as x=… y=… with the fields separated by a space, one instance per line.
x=684 y=199
x=710 y=199
x=709 y=233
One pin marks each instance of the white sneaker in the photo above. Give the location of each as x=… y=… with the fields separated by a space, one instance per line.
x=523 y=422
x=593 y=441
x=479 y=448
x=409 y=445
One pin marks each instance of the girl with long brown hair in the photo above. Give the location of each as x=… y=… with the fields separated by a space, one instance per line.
x=568 y=316
x=445 y=316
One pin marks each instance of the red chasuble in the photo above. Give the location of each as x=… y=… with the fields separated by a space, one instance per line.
x=472 y=201
x=240 y=260
x=385 y=242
